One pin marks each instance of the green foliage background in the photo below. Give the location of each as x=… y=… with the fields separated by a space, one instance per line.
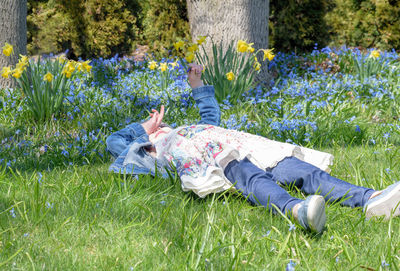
x=106 y=27
x=366 y=23
x=297 y=25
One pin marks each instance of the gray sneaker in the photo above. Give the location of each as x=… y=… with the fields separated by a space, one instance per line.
x=385 y=204
x=311 y=213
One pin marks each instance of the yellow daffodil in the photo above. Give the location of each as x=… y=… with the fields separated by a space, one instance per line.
x=375 y=54
x=17 y=73
x=256 y=65
x=178 y=45
x=153 y=65
x=86 y=66
x=201 y=40
x=268 y=54
x=7 y=49
x=6 y=71
x=61 y=59
x=23 y=59
x=230 y=76
x=189 y=57
x=21 y=65
x=193 y=48
x=163 y=67
x=48 y=77
x=69 y=69
x=250 y=49
x=242 y=46
x=173 y=64
x=79 y=67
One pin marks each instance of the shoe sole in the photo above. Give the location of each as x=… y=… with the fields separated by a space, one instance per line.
x=385 y=205
x=316 y=216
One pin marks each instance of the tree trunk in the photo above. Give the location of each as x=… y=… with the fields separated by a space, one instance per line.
x=231 y=20
x=13 y=31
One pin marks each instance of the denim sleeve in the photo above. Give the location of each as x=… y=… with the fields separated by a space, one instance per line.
x=208 y=105
x=119 y=141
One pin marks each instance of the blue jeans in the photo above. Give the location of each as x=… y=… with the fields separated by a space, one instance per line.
x=260 y=187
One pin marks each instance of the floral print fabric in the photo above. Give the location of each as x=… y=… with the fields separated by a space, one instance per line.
x=196 y=152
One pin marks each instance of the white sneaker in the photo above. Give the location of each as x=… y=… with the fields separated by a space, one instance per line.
x=385 y=204
x=311 y=213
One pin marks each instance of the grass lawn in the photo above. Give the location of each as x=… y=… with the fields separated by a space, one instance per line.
x=60 y=208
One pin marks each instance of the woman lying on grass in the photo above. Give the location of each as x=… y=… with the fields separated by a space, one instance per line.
x=211 y=159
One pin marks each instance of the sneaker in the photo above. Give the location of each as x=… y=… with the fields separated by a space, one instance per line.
x=385 y=204
x=311 y=213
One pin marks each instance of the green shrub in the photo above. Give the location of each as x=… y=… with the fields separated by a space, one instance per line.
x=297 y=25
x=164 y=21
x=103 y=27
x=365 y=23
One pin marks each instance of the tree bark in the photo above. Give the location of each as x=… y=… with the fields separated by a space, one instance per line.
x=231 y=20
x=13 y=31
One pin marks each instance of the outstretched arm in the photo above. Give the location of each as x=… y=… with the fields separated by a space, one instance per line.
x=135 y=132
x=204 y=97
x=117 y=142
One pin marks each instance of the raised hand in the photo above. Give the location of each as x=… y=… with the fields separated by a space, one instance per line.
x=152 y=124
x=194 y=75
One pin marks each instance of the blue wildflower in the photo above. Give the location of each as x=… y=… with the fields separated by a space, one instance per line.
x=12 y=212
x=384 y=264
x=40 y=177
x=290 y=266
x=386 y=135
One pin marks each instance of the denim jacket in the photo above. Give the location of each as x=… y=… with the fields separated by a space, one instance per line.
x=129 y=143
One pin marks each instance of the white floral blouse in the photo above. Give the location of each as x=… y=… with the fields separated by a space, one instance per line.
x=201 y=152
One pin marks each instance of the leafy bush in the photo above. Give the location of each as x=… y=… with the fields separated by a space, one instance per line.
x=365 y=23
x=164 y=21
x=298 y=25
x=103 y=28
